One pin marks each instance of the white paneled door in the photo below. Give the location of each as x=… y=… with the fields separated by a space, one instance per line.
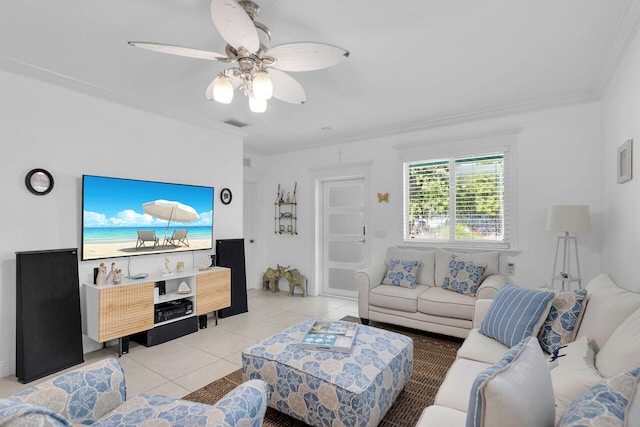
x=345 y=243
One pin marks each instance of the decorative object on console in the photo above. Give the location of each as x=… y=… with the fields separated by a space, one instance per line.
x=166 y=269
x=184 y=289
x=111 y=273
x=568 y=219
x=39 y=182
x=625 y=161
x=101 y=278
x=259 y=70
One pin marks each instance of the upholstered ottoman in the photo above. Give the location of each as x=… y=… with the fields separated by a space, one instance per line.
x=324 y=388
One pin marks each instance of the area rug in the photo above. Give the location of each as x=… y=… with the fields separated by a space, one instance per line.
x=432 y=356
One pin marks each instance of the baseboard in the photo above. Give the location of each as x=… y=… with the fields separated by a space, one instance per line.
x=7 y=368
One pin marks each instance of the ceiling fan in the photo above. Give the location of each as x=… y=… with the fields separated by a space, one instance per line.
x=257 y=69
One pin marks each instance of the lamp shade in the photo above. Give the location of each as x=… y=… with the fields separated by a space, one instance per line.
x=257 y=105
x=569 y=218
x=223 y=90
x=262 y=86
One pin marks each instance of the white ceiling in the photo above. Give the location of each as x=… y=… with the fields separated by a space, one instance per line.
x=413 y=63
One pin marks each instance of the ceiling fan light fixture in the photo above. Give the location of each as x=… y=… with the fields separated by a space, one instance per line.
x=223 y=89
x=257 y=105
x=262 y=85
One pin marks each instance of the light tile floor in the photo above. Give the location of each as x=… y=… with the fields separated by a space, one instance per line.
x=186 y=364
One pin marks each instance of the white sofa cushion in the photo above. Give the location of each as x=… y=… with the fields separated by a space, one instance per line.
x=442 y=258
x=516 y=391
x=621 y=352
x=574 y=374
x=481 y=348
x=426 y=258
x=436 y=415
x=455 y=390
x=402 y=273
x=464 y=276
x=559 y=327
x=605 y=404
x=441 y=302
x=515 y=314
x=396 y=297
x=607 y=307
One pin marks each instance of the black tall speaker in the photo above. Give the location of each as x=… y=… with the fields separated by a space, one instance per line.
x=48 y=327
x=230 y=253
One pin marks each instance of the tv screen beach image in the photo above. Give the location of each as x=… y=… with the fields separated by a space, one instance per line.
x=124 y=217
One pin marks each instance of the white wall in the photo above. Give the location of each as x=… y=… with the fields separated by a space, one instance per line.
x=559 y=163
x=70 y=134
x=621 y=202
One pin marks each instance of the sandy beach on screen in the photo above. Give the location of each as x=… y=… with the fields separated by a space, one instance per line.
x=124 y=249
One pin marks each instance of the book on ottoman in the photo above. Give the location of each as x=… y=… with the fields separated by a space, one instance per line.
x=329 y=336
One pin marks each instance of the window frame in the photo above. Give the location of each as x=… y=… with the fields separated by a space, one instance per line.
x=499 y=142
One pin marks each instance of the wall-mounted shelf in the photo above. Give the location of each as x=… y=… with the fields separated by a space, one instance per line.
x=286 y=218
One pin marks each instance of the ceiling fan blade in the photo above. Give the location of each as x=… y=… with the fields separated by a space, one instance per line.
x=234 y=25
x=286 y=88
x=181 y=51
x=306 y=56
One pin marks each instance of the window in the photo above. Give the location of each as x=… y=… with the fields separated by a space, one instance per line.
x=457 y=200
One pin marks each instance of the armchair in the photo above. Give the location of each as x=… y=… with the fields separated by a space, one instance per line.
x=96 y=395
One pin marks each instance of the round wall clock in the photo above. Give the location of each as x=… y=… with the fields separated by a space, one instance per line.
x=225 y=196
x=39 y=182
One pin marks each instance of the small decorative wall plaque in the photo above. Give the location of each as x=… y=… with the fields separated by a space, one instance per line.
x=625 y=152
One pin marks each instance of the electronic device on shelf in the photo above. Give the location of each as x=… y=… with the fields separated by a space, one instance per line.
x=172 y=310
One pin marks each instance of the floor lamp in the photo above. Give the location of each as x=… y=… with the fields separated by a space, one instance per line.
x=568 y=219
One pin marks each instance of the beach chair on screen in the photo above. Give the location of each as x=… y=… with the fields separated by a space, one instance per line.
x=178 y=237
x=145 y=237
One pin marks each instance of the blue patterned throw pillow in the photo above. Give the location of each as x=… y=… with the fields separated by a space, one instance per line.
x=402 y=273
x=464 y=276
x=603 y=404
x=515 y=313
x=565 y=310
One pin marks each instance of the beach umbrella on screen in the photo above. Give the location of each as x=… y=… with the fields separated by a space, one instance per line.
x=171 y=211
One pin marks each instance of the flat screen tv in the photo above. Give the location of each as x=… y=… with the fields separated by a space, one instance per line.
x=126 y=217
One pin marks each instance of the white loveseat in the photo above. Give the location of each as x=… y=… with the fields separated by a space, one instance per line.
x=606 y=342
x=427 y=306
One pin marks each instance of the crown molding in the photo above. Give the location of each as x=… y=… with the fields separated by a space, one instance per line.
x=621 y=40
x=30 y=71
x=432 y=123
